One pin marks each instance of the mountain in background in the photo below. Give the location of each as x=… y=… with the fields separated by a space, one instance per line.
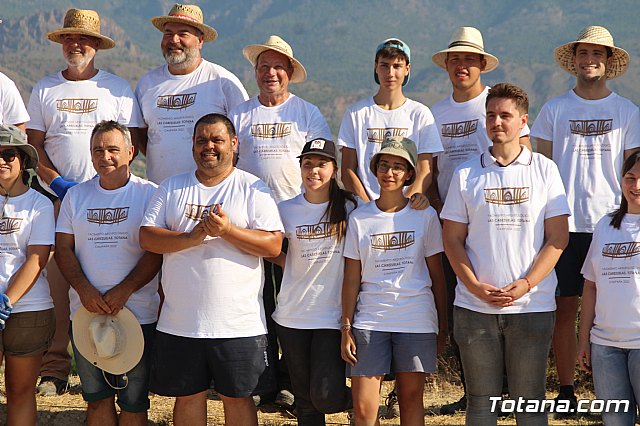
x=335 y=40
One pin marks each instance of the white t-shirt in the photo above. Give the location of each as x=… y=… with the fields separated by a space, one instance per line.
x=463 y=132
x=12 y=109
x=589 y=139
x=171 y=105
x=310 y=296
x=67 y=111
x=105 y=226
x=505 y=209
x=213 y=290
x=271 y=138
x=27 y=221
x=395 y=294
x=365 y=125
x=613 y=263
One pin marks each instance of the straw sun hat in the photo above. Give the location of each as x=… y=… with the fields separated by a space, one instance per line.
x=186 y=14
x=252 y=51
x=594 y=35
x=85 y=22
x=466 y=40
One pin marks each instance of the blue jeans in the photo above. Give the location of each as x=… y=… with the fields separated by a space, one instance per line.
x=616 y=375
x=491 y=344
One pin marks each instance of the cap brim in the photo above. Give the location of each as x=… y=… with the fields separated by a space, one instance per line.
x=252 y=51
x=440 y=57
x=105 y=42
x=320 y=153
x=563 y=56
x=208 y=33
x=395 y=153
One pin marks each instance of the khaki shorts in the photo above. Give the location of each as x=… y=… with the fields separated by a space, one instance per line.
x=28 y=333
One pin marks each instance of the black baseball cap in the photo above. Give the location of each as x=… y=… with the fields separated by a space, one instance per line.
x=319 y=146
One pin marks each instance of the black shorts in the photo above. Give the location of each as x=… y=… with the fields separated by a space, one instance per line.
x=183 y=366
x=570 y=280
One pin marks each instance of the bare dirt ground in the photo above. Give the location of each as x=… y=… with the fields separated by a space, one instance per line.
x=69 y=409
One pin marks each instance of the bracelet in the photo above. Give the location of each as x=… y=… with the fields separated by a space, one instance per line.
x=528 y=284
x=345 y=327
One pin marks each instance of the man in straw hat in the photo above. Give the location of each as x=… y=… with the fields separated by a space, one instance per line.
x=173 y=96
x=12 y=109
x=98 y=251
x=588 y=132
x=461 y=121
x=213 y=227
x=64 y=107
x=387 y=113
x=272 y=130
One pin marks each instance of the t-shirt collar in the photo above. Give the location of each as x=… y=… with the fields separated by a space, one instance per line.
x=525 y=157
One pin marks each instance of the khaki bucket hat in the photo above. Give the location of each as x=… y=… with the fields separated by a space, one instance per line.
x=85 y=22
x=466 y=40
x=252 y=51
x=398 y=146
x=186 y=14
x=594 y=35
x=15 y=137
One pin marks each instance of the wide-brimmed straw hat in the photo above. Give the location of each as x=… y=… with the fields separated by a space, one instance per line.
x=466 y=40
x=398 y=146
x=85 y=22
x=189 y=14
x=594 y=35
x=14 y=136
x=252 y=51
x=112 y=343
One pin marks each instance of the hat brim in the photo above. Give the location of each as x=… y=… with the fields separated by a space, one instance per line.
x=120 y=363
x=32 y=159
x=252 y=51
x=396 y=153
x=209 y=33
x=318 y=153
x=563 y=56
x=105 y=42
x=440 y=57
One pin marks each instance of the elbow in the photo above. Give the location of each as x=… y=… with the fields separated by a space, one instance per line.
x=274 y=247
x=144 y=238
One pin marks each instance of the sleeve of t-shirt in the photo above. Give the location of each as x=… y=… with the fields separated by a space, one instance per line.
x=34 y=108
x=234 y=92
x=632 y=133
x=433 y=234
x=139 y=94
x=156 y=213
x=13 y=109
x=588 y=267
x=318 y=127
x=129 y=114
x=263 y=209
x=64 y=223
x=557 y=203
x=543 y=126
x=351 y=242
x=346 y=136
x=44 y=225
x=429 y=142
x=455 y=207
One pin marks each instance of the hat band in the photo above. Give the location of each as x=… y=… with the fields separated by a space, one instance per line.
x=187 y=17
x=466 y=44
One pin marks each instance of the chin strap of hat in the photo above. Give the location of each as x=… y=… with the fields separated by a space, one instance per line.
x=125 y=379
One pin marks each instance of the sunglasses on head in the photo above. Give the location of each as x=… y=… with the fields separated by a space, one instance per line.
x=9 y=155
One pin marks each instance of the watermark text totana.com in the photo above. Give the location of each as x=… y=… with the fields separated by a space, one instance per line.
x=522 y=405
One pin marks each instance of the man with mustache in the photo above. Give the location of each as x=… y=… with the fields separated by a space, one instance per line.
x=175 y=95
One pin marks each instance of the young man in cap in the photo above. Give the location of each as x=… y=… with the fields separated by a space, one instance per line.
x=387 y=113
x=213 y=226
x=173 y=96
x=460 y=119
x=64 y=107
x=12 y=109
x=588 y=132
x=272 y=130
x=505 y=226
x=98 y=251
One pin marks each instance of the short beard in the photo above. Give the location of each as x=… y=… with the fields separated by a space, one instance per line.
x=187 y=59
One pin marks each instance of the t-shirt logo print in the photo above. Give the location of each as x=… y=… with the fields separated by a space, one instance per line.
x=9 y=225
x=182 y=101
x=506 y=196
x=271 y=130
x=460 y=129
x=317 y=231
x=107 y=216
x=393 y=240
x=378 y=134
x=76 y=105
x=199 y=211
x=591 y=127
x=621 y=250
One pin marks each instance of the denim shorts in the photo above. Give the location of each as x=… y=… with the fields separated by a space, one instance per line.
x=28 y=333
x=134 y=397
x=382 y=352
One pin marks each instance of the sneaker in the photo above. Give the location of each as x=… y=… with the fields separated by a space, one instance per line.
x=391 y=402
x=285 y=399
x=460 y=406
x=52 y=386
x=569 y=406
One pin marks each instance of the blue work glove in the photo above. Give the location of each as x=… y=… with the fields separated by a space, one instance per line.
x=61 y=186
x=5 y=309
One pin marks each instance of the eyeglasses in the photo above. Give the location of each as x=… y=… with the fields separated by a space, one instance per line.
x=8 y=155
x=396 y=169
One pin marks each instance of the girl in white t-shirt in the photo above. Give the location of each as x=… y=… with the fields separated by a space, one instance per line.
x=308 y=312
x=26 y=309
x=393 y=294
x=609 y=343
